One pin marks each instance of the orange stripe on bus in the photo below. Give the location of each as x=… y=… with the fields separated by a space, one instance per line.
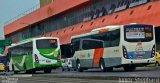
x=98 y=53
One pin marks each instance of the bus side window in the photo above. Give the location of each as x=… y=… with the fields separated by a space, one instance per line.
x=29 y=48
x=115 y=37
x=105 y=37
x=86 y=45
x=107 y=40
x=92 y=44
x=75 y=46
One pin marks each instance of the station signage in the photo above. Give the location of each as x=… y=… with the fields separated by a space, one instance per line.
x=4 y=43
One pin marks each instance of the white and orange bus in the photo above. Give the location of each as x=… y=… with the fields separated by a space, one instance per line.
x=128 y=46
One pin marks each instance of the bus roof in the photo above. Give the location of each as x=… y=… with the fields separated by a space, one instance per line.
x=31 y=39
x=104 y=29
x=98 y=30
x=109 y=28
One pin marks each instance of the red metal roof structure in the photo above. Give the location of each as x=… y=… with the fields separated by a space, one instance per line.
x=42 y=14
x=148 y=13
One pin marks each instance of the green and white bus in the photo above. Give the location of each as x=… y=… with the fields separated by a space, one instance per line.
x=127 y=46
x=35 y=54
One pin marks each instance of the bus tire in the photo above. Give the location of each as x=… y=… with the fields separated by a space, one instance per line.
x=47 y=70
x=129 y=68
x=79 y=68
x=102 y=65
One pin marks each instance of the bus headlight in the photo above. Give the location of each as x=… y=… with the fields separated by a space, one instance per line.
x=125 y=54
x=153 y=51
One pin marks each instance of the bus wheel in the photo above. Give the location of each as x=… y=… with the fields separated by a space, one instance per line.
x=47 y=70
x=79 y=68
x=102 y=65
x=129 y=68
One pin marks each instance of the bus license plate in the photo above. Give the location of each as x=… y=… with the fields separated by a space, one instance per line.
x=139 y=56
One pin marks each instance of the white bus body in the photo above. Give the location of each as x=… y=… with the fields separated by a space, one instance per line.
x=125 y=46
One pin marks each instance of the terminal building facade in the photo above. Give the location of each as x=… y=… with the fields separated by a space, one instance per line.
x=65 y=18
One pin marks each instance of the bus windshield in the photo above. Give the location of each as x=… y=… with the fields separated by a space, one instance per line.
x=138 y=33
x=46 y=43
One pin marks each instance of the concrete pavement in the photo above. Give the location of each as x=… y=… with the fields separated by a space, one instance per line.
x=141 y=75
